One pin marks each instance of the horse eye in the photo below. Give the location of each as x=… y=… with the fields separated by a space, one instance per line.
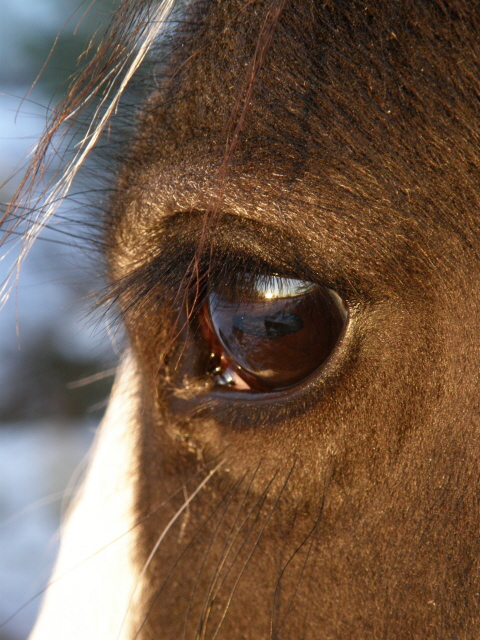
x=271 y=332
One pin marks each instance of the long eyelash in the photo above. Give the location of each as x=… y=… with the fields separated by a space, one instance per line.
x=162 y=283
x=167 y=279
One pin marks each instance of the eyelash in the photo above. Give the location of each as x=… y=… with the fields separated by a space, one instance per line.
x=154 y=301
x=170 y=282
x=160 y=304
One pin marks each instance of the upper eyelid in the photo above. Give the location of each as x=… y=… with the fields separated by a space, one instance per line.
x=169 y=270
x=238 y=241
x=238 y=238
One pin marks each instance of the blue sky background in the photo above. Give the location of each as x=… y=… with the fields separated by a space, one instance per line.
x=38 y=455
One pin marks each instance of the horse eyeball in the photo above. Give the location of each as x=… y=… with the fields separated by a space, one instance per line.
x=271 y=332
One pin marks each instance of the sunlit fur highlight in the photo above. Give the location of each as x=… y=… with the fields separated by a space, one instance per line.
x=98 y=539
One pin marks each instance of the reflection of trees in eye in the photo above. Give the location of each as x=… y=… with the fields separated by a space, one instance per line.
x=277 y=325
x=281 y=324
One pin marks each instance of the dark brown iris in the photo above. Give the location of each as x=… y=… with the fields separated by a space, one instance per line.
x=273 y=333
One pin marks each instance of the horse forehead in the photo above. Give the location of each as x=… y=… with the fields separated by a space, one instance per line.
x=338 y=123
x=341 y=69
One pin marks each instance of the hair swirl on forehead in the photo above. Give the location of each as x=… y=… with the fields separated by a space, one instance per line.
x=97 y=89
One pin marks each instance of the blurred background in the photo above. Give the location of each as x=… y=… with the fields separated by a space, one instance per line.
x=49 y=346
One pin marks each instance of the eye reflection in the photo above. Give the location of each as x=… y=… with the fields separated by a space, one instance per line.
x=272 y=333
x=274 y=287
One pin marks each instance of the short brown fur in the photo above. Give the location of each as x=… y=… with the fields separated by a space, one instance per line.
x=346 y=507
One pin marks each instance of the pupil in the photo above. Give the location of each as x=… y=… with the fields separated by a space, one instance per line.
x=277 y=331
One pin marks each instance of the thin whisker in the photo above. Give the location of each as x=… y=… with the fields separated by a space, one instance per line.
x=313 y=533
x=239 y=576
x=229 y=543
x=162 y=537
x=94 y=555
x=258 y=506
x=208 y=549
x=108 y=373
x=37 y=504
x=197 y=533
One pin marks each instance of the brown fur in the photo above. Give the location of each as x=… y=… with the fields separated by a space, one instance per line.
x=347 y=506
